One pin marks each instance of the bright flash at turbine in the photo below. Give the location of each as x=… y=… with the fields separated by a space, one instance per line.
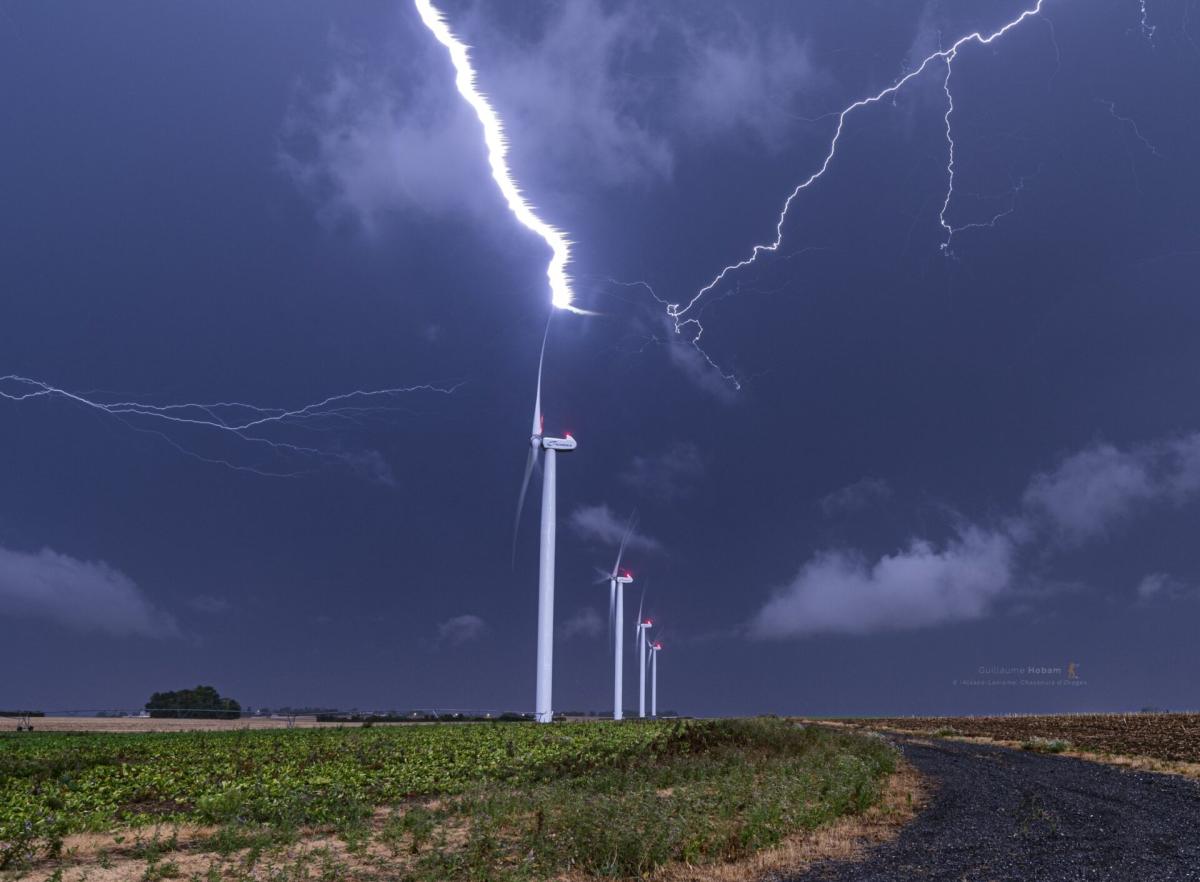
x=497 y=150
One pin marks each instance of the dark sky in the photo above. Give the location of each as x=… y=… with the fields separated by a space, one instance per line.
x=930 y=460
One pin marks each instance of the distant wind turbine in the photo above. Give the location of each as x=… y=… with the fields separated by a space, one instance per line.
x=617 y=580
x=643 y=626
x=655 y=648
x=538 y=440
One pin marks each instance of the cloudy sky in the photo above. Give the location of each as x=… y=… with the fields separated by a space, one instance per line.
x=951 y=423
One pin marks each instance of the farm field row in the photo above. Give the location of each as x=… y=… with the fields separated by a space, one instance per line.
x=511 y=801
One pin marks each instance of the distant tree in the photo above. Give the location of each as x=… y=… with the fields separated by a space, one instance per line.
x=203 y=702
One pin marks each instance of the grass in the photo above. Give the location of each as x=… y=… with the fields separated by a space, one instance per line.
x=522 y=802
x=718 y=796
x=945 y=732
x=1046 y=745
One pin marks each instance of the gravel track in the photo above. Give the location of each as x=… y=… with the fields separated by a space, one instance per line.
x=998 y=815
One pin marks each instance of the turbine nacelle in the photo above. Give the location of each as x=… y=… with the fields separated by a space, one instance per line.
x=563 y=445
x=625 y=579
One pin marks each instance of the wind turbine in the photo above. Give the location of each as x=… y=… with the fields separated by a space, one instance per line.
x=539 y=440
x=655 y=648
x=617 y=580
x=643 y=626
x=619 y=583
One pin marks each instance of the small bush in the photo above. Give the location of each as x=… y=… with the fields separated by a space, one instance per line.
x=1046 y=745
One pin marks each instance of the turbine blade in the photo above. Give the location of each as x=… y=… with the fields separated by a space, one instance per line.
x=641 y=603
x=624 y=539
x=535 y=432
x=537 y=399
x=529 y=464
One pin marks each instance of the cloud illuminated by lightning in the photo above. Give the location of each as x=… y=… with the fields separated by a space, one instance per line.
x=239 y=421
x=497 y=150
x=684 y=314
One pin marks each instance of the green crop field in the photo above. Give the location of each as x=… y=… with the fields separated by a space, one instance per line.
x=483 y=801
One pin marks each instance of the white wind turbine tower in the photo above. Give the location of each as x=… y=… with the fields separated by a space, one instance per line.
x=617 y=581
x=619 y=649
x=655 y=648
x=538 y=440
x=643 y=626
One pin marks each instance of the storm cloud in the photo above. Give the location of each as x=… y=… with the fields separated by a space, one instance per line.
x=1085 y=497
x=599 y=524
x=377 y=136
x=1091 y=492
x=920 y=585
x=461 y=629
x=668 y=477
x=585 y=623
x=80 y=595
x=361 y=146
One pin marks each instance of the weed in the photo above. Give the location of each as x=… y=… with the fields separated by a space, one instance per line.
x=408 y=829
x=164 y=870
x=1046 y=745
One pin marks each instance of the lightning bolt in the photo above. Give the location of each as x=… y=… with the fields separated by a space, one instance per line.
x=1144 y=20
x=497 y=152
x=1131 y=124
x=234 y=419
x=686 y=314
x=950 y=160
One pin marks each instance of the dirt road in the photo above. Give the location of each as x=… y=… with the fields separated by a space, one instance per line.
x=1000 y=815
